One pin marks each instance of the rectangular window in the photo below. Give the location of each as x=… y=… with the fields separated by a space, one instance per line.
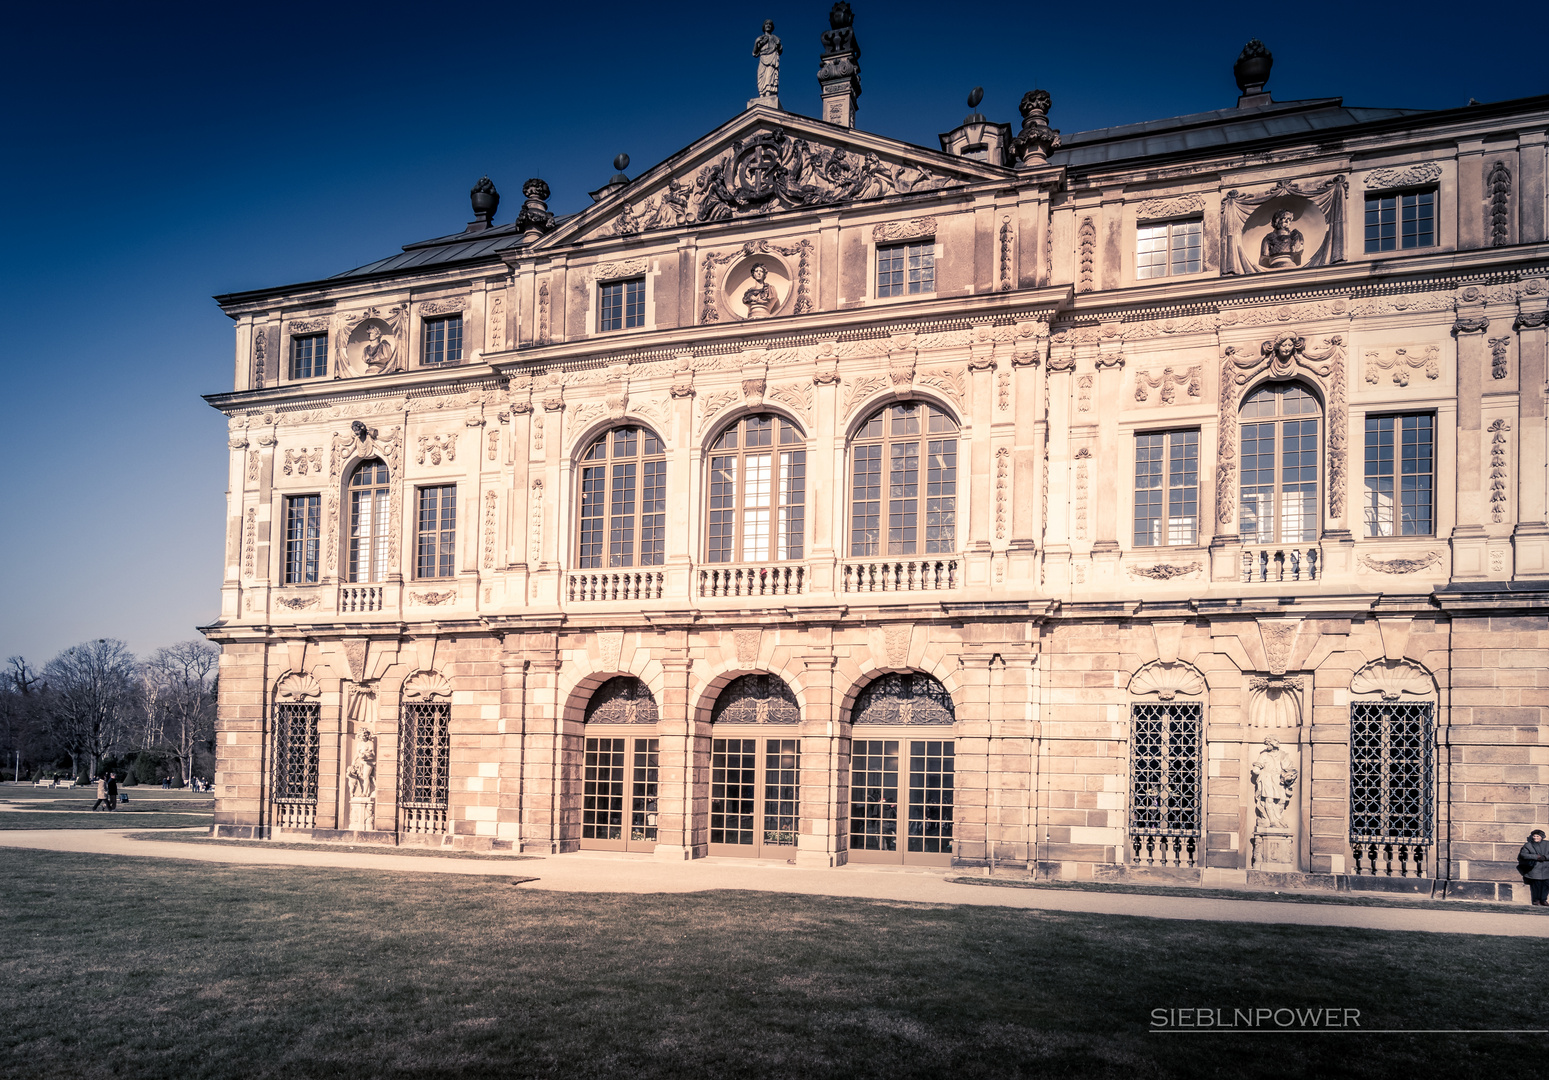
x=1164 y=813
x=931 y=768
x=309 y=356
x=444 y=340
x=1400 y=220
x=602 y=790
x=436 y=532
x=1168 y=248
x=874 y=795
x=866 y=502
x=621 y=304
x=906 y=268
x=426 y=748
x=296 y=751
x=1400 y=475
x=303 y=532
x=1166 y=488
x=1390 y=772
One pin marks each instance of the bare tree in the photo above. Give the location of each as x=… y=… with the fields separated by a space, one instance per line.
x=91 y=699
x=21 y=724
x=180 y=698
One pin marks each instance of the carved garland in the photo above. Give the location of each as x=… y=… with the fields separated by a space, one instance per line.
x=1426 y=172
x=1399 y=566
x=433 y=599
x=1498 y=348
x=1002 y=467
x=915 y=229
x=251 y=541
x=1168 y=382
x=1005 y=254
x=260 y=349
x=1499 y=468
x=1081 y=496
x=1498 y=183
x=535 y=548
x=1401 y=363
x=296 y=603
x=1088 y=240
x=491 y=498
x=444 y=307
x=1282 y=357
x=1165 y=571
x=1162 y=209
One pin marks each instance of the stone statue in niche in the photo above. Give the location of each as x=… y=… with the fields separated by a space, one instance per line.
x=1274 y=775
x=1282 y=245
x=767 y=48
x=760 y=297
x=362 y=771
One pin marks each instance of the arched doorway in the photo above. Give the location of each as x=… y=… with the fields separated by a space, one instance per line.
x=902 y=766
x=620 y=768
x=755 y=769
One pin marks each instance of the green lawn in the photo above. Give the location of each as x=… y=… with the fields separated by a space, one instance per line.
x=118 y=819
x=116 y=967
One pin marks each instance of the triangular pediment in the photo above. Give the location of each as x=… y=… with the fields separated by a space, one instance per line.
x=768 y=162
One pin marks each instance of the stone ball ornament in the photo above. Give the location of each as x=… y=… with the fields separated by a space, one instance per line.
x=535 y=189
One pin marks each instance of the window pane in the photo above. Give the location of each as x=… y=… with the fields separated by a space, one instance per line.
x=621 y=516
x=1182 y=487
x=1151 y=251
x=1148 y=489
x=793 y=497
x=723 y=507
x=757 y=491
x=866 y=502
x=903 y=498
x=302 y=538
x=1417 y=477
x=593 y=483
x=1187 y=238
x=941 y=497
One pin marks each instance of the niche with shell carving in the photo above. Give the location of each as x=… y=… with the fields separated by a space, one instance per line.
x=1393 y=680
x=1167 y=680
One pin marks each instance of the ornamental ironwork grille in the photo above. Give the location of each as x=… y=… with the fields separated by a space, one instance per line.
x=1164 y=815
x=622 y=700
x=756 y=699
x=424 y=755
x=295 y=763
x=1390 y=772
x=904 y=699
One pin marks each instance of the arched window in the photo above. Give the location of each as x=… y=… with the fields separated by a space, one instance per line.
x=1279 y=465
x=755 y=777
x=621 y=769
x=918 y=513
x=904 y=699
x=623 y=500
x=900 y=775
x=757 y=492
x=369 y=521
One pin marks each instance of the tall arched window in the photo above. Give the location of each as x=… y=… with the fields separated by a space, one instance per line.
x=620 y=767
x=757 y=492
x=369 y=504
x=902 y=776
x=623 y=500
x=755 y=769
x=1279 y=465
x=903 y=482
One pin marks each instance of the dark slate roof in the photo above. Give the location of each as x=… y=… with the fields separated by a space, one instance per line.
x=1212 y=130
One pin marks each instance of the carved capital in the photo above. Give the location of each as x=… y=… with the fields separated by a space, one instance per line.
x=1470 y=325
x=1531 y=320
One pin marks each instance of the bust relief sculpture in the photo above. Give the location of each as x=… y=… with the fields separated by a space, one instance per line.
x=378 y=352
x=760 y=297
x=1283 y=245
x=767 y=48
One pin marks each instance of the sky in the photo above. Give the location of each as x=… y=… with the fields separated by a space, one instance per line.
x=155 y=155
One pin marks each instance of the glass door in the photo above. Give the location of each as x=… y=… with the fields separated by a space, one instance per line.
x=619 y=789
x=755 y=805
x=901 y=800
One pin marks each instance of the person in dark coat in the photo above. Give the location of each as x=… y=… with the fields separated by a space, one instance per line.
x=1533 y=863
x=112 y=791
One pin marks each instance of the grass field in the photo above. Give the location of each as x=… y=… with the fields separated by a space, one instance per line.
x=26 y=807
x=130 y=968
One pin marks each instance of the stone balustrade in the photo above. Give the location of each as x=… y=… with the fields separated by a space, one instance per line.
x=597 y=585
x=899 y=575
x=779 y=579
x=424 y=819
x=1380 y=858
x=357 y=598
x=1162 y=849
x=1281 y=563
x=295 y=815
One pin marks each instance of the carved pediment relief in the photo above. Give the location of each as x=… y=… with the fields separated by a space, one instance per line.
x=1392 y=679
x=1167 y=680
x=765 y=170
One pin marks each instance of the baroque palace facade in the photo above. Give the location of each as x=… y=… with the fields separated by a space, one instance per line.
x=1165 y=501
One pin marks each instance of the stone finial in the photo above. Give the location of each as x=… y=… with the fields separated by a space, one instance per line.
x=618 y=180
x=1037 y=139
x=839 y=71
x=1252 y=73
x=534 y=219
x=486 y=200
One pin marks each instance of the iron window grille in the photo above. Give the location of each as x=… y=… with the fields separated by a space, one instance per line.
x=757 y=492
x=1168 y=248
x=892 y=443
x=622 y=700
x=303 y=537
x=424 y=755
x=1390 y=784
x=294 y=787
x=1400 y=475
x=623 y=500
x=436 y=532
x=906 y=269
x=904 y=699
x=309 y=356
x=621 y=304
x=756 y=699
x=1399 y=220
x=1166 y=488
x=1164 y=813
x=443 y=340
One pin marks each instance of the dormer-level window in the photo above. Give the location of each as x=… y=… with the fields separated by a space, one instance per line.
x=1400 y=219
x=621 y=304
x=906 y=269
x=443 y=340
x=309 y=356
x=1168 y=248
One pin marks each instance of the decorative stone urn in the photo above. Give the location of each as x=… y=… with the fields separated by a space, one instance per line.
x=1252 y=67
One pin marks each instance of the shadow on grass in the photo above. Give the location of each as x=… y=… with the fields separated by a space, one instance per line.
x=162 y=968
x=102 y=819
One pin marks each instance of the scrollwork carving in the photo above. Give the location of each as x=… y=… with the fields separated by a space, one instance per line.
x=1175 y=207
x=1425 y=172
x=1399 y=566
x=914 y=229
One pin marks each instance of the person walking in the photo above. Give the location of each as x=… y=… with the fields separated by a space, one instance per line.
x=102 y=793
x=1533 y=865
x=112 y=791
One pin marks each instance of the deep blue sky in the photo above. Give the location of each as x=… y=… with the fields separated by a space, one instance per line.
x=155 y=155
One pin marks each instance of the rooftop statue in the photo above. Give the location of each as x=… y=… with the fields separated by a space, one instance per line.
x=767 y=48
